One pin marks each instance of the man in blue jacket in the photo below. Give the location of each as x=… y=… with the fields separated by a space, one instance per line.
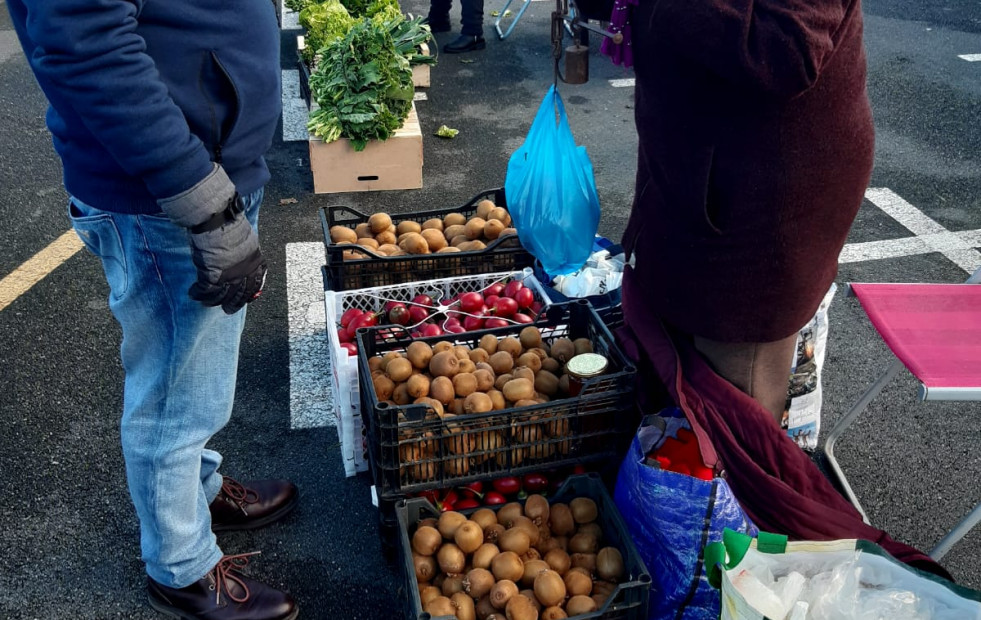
x=161 y=113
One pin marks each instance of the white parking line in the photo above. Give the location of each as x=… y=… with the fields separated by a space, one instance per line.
x=970 y=57
x=622 y=83
x=929 y=236
x=311 y=399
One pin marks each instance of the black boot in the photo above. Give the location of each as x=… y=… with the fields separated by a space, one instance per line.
x=464 y=43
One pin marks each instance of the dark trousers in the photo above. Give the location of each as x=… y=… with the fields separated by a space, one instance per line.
x=471 y=15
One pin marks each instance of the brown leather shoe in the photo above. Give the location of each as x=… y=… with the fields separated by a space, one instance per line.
x=223 y=594
x=253 y=504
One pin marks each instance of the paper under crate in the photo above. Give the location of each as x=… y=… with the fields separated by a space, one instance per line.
x=395 y=163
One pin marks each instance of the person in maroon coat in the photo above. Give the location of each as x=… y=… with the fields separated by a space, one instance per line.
x=755 y=150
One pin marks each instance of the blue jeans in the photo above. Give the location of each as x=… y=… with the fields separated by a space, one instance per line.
x=180 y=360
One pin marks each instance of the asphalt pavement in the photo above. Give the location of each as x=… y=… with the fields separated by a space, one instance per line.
x=68 y=534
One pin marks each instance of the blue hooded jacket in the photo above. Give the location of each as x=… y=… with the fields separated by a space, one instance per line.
x=146 y=95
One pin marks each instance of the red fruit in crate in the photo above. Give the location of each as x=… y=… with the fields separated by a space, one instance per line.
x=399 y=315
x=471 y=302
x=472 y=323
x=471 y=490
x=521 y=317
x=393 y=304
x=342 y=336
x=534 y=483
x=507 y=486
x=454 y=329
x=506 y=307
x=536 y=307
x=494 y=289
x=465 y=504
x=423 y=300
x=493 y=498
x=350 y=347
x=417 y=314
x=490 y=300
x=349 y=315
x=493 y=322
x=524 y=298
x=431 y=494
x=512 y=288
x=367 y=319
x=431 y=329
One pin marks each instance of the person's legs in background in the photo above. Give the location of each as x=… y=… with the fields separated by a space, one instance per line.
x=760 y=369
x=439 y=15
x=472 y=31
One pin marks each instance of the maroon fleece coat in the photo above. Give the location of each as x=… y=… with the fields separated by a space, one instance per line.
x=775 y=481
x=755 y=149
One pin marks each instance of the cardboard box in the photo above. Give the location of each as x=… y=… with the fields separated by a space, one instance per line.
x=420 y=73
x=395 y=163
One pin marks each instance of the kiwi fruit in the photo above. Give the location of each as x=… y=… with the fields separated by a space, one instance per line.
x=342 y=234
x=444 y=364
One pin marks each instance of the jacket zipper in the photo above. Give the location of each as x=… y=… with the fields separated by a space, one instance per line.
x=215 y=126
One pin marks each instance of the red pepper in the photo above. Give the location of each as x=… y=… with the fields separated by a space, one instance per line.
x=507 y=486
x=467 y=503
x=472 y=490
x=432 y=495
x=534 y=483
x=493 y=498
x=448 y=502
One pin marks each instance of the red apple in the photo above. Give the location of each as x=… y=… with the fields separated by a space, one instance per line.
x=349 y=315
x=525 y=298
x=520 y=317
x=469 y=302
x=505 y=306
x=423 y=300
x=495 y=322
x=417 y=314
x=513 y=287
x=472 y=323
x=431 y=329
x=494 y=289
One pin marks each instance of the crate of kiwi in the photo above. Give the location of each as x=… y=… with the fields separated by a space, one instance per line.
x=567 y=556
x=444 y=411
x=379 y=249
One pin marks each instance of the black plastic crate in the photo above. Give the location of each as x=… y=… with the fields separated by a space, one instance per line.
x=628 y=602
x=572 y=430
x=502 y=254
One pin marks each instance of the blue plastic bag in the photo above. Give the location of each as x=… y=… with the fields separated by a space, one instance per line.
x=671 y=518
x=551 y=192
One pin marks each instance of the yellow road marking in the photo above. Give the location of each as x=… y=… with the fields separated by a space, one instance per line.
x=37 y=267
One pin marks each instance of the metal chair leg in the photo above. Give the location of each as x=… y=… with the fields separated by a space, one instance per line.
x=959 y=531
x=514 y=22
x=846 y=421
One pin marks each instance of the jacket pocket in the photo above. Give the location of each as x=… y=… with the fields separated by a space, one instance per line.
x=98 y=232
x=222 y=99
x=711 y=201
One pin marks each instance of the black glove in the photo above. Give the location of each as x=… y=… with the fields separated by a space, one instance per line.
x=224 y=247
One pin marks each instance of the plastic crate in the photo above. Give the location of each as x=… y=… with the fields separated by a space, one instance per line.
x=344 y=368
x=502 y=254
x=629 y=600
x=607 y=305
x=589 y=426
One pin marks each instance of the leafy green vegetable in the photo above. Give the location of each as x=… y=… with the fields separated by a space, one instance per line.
x=447 y=132
x=298 y=5
x=325 y=22
x=362 y=85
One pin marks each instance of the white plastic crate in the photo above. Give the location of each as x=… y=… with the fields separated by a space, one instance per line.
x=344 y=367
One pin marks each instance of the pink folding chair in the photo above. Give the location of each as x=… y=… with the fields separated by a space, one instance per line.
x=934 y=330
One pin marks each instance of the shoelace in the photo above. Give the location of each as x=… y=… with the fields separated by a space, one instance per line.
x=234 y=491
x=224 y=573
